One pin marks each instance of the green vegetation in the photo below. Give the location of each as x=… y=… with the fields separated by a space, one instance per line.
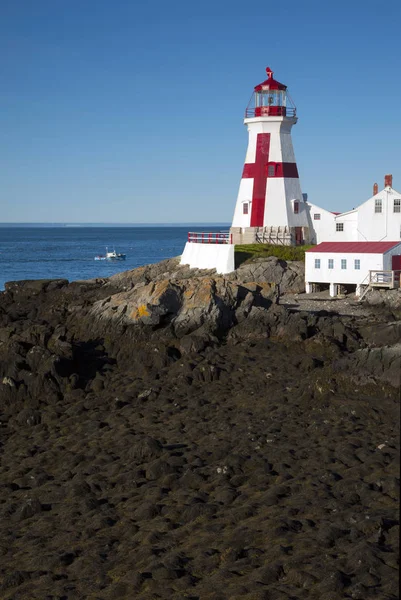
x=246 y=252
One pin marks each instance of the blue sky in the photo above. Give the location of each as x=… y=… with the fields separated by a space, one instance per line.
x=118 y=111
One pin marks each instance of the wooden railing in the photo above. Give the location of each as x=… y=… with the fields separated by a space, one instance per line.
x=390 y=279
x=210 y=238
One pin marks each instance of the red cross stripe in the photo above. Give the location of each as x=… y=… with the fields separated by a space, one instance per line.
x=259 y=171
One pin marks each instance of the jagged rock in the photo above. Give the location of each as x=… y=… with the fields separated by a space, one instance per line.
x=213 y=304
x=30 y=507
x=389 y=298
x=383 y=363
x=381 y=334
x=34 y=286
x=289 y=276
x=165 y=269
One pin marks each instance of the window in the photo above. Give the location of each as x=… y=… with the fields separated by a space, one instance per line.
x=245 y=208
x=316 y=217
x=343 y=263
x=331 y=263
x=317 y=263
x=378 y=205
x=357 y=264
x=397 y=205
x=271 y=171
x=339 y=226
x=296 y=207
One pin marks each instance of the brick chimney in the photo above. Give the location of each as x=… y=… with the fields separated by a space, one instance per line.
x=388 y=181
x=375 y=189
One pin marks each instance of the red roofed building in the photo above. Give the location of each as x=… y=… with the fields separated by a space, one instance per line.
x=364 y=247
x=359 y=264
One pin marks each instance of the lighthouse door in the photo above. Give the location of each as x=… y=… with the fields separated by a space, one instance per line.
x=299 y=239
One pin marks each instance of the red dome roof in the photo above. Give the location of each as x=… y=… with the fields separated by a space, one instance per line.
x=270 y=83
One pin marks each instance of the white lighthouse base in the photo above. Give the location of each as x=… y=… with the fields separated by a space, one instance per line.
x=278 y=236
x=209 y=256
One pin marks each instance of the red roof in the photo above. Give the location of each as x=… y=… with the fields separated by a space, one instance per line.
x=270 y=83
x=355 y=247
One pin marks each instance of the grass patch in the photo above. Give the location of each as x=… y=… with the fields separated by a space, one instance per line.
x=244 y=253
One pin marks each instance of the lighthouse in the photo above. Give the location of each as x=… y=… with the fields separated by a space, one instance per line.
x=270 y=207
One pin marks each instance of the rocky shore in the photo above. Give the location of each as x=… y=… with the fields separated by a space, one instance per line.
x=170 y=433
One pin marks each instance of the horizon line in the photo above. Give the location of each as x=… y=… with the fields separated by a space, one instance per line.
x=72 y=223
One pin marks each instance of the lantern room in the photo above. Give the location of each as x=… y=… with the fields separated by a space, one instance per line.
x=270 y=99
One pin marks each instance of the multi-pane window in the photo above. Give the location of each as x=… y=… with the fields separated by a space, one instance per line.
x=357 y=264
x=397 y=205
x=316 y=217
x=245 y=208
x=378 y=205
x=343 y=263
x=271 y=171
x=339 y=226
x=296 y=207
x=317 y=263
x=331 y=263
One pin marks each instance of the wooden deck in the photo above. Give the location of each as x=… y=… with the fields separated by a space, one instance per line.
x=384 y=279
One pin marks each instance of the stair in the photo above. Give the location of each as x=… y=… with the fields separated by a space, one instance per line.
x=365 y=291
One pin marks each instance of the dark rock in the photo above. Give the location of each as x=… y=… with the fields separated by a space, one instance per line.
x=269 y=574
x=29 y=417
x=15 y=579
x=144 y=449
x=158 y=468
x=34 y=286
x=30 y=508
x=191 y=436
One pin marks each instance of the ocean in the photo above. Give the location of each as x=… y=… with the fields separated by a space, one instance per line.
x=48 y=252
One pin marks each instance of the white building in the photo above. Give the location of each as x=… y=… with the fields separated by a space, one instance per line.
x=209 y=251
x=377 y=219
x=321 y=223
x=353 y=263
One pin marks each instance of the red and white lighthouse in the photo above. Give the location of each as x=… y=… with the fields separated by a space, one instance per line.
x=270 y=206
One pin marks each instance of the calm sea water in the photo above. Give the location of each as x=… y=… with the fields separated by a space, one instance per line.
x=68 y=252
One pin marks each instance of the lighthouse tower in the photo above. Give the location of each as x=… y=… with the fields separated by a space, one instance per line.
x=270 y=206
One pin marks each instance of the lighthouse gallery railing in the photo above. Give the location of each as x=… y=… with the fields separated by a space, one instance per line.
x=209 y=238
x=267 y=111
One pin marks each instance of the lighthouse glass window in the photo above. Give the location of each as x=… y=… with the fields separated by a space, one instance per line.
x=270 y=98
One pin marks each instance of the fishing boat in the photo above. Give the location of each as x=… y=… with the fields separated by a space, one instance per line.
x=111 y=255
